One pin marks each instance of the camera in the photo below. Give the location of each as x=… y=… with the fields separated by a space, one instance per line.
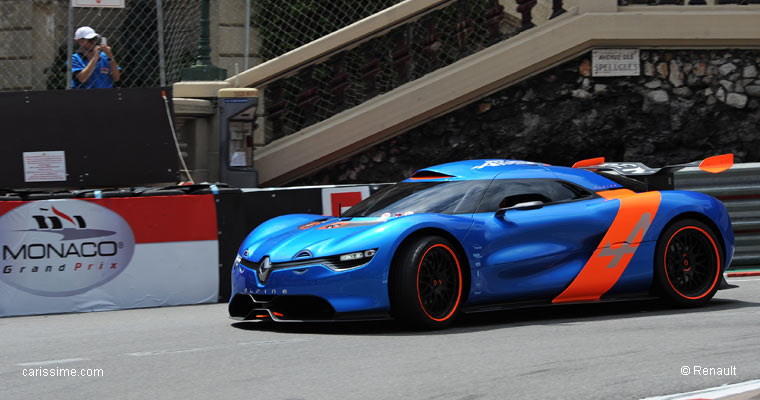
x=98 y=40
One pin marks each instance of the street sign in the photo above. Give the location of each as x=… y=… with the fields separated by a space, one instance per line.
x=616 y=62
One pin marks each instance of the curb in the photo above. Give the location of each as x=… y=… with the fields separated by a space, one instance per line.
x=741 y=274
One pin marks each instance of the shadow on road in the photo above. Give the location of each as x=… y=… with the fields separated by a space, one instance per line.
x=483 y=321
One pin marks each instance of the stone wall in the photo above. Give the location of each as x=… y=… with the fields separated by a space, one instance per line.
x=686 y=105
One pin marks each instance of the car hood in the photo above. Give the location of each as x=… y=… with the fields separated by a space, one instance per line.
x=297 y=239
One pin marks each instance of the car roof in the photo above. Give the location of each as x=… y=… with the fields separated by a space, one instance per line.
x=511 y=169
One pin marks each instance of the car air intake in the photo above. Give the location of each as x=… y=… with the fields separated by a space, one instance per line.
x=240 y=306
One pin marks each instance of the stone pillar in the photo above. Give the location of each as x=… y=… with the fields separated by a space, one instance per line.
x=198 y=127
x=231 y=37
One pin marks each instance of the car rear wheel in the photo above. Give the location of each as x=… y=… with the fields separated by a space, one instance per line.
x=688 y=263
x=426 y=283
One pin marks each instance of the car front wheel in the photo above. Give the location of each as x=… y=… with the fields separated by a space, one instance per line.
x=426 y=283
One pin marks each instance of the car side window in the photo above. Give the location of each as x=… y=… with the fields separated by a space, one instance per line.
x=504 y=193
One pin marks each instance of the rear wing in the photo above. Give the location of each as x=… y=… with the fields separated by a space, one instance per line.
x=639 y=177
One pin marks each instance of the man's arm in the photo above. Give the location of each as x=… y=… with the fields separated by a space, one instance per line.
x=113 y=66
x=86 y=72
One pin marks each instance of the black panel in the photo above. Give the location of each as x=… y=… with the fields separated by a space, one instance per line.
x=112 y=137
x=238 y=213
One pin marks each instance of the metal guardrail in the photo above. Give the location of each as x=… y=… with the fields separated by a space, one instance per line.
x=739 y=189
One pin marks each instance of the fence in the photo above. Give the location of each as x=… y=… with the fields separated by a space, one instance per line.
x=287 y=25
x=447 y=32
x=739 y=189
x=151 y=40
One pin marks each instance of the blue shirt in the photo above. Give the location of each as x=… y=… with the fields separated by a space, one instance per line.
x=100 y=78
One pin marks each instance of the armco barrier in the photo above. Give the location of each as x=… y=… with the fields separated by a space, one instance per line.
x=739 y=189
x=176 y=245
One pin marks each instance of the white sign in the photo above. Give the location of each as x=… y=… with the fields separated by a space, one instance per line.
x=615 y=62
x=98 y=3
x=238 y=159
x=44 y=166
x=336 y=201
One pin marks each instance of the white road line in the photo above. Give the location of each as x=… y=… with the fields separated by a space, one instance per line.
x=742 y=280
x=197 y=349
x=267 y=342
x=176 y=351
x=713 y=393
x=49 y=362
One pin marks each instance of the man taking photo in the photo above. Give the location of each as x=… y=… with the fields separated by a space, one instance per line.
x=93 y=65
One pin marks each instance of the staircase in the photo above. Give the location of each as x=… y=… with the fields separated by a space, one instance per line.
x=420 y=59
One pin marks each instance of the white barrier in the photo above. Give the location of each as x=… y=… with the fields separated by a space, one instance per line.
x=75 y=255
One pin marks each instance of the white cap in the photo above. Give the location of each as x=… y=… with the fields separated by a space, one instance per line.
x=85 y=32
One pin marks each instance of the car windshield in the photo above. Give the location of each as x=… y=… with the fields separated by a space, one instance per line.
x=447 y=197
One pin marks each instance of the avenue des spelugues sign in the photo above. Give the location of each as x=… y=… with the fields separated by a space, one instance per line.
x=63 y=247
x=615 y=62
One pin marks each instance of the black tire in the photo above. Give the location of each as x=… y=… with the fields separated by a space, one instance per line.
x=688 y=263
x=426 y=283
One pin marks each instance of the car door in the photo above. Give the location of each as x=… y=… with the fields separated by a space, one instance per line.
x=531 y=252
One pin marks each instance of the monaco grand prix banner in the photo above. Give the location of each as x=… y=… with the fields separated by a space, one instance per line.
x=75 y=255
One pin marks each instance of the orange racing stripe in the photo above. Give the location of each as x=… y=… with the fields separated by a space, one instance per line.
x=606 y=265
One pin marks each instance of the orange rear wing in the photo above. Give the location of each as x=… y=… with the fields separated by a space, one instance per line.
x=717 y=164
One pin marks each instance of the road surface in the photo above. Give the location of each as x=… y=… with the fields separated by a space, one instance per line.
x=596 y=351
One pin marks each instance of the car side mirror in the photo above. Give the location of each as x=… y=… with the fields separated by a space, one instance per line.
x=528 y=205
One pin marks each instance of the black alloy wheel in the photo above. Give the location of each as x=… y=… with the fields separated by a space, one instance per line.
x=438 y=281
x=688 y=263
x=426 y=283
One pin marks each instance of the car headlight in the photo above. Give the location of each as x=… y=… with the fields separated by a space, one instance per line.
x=236 y=264
x=358 y=255
x=351 y=260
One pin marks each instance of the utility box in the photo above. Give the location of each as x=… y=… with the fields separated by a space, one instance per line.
x=237 y=118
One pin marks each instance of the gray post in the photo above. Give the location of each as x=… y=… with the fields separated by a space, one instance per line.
x=69 y=46
x=161 y=50
x=203 y=69
x=247 y=33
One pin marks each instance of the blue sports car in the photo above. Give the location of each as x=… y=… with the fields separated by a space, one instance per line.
x=486 y=234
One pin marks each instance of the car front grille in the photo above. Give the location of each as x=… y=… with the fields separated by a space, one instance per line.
x=332 y=262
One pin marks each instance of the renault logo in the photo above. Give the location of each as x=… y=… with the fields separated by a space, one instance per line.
x=265 y=267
